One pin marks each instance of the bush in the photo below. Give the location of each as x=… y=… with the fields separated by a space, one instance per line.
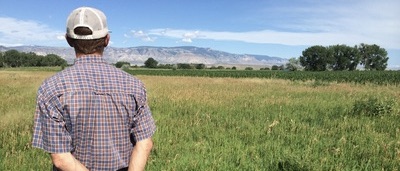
x=200 y=66
x=372 y=107
x=266 y=68
x=248 y=68
x=275 y=67
x=184 y=66
x=165 y=66
x=119 y=64
x=150 y=63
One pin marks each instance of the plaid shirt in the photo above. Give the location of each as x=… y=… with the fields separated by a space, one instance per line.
x=94 y=111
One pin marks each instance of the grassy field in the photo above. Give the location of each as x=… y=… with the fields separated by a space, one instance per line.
x=236 y=124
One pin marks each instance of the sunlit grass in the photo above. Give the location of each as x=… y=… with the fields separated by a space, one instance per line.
x=232 y=124
x=17 y=104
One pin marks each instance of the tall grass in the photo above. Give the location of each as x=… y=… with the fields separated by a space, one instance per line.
x=233 y=124
x=17 y=104
x=264 y=124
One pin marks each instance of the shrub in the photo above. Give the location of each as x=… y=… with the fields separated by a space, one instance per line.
x=372 y=107
x=184 y=66
x=119 y=64
x=150 y=63
x=213 y=67
x=200 y=66
x=248 y=68
x=266 y=68
x=275 y=67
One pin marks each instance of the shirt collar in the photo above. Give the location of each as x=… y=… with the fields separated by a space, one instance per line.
x=89 y=59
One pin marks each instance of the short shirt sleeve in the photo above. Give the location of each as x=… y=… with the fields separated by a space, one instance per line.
x=50 y=132
x=144 y=125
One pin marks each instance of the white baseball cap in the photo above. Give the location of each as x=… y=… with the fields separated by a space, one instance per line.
x=88 y=17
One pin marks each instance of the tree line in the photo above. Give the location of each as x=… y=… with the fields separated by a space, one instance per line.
x=314 y=58
x=341 y=58
x=152 y=63
x=14 y=58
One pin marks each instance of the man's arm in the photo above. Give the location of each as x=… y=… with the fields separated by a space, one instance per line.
x=140 y=153
x=67 y=162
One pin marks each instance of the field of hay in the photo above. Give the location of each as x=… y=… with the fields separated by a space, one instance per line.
x=235 y=124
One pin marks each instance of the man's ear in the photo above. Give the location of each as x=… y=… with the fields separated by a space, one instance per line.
x=69 y=40
x=107 y=40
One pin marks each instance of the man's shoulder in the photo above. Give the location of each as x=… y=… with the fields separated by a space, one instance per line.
x=52 y=79
x=123 y=74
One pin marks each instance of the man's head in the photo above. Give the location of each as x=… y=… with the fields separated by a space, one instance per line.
x=87 y=30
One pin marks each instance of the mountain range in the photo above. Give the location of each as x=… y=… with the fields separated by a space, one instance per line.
x=164 y=55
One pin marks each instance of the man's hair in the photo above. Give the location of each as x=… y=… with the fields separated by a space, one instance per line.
x=88 y=46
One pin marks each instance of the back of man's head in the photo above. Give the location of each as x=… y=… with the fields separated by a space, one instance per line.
x=87 y=30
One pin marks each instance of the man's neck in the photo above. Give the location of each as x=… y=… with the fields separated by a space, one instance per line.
x=78 y=55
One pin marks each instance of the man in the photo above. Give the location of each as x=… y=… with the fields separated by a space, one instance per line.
x=93 y=116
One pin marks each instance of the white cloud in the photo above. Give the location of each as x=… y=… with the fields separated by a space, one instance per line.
x=323 y=23
x=10 y=45
x=143 y=36
x=23 y=32
x=188 y=36
x=61 y=37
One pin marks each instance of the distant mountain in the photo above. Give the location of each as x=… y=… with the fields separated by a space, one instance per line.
x=164 y=55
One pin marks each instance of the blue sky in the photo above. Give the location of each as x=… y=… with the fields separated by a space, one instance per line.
x=276 y=28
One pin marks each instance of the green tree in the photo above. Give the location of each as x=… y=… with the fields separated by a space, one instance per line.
x=120 y=64
x=373 y=57
x=12 y=58
x=266 y=68
x=1 y=59
x=184 y=66
x=165 y=66
x=248 y=68
x=54 y=60
x=315 y=58
x=343 y=57
x=275 y=67
x=293 y=64
x=233 y=68
x=355 y=58
x=150 y=63
x=31 y=59
x=200 y=66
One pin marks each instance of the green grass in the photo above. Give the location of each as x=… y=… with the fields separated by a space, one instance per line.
x=260 y=124
x=17 y=104
x=233 y=124
x=41 y=69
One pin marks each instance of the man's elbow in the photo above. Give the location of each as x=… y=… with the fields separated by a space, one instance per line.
x=58 y=163
x=61 y=160
x=145 y=145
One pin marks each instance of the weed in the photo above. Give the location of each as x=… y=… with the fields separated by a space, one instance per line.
x=372 y=106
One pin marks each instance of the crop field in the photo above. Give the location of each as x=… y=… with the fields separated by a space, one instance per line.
x=357 y=77
x=225 y=123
